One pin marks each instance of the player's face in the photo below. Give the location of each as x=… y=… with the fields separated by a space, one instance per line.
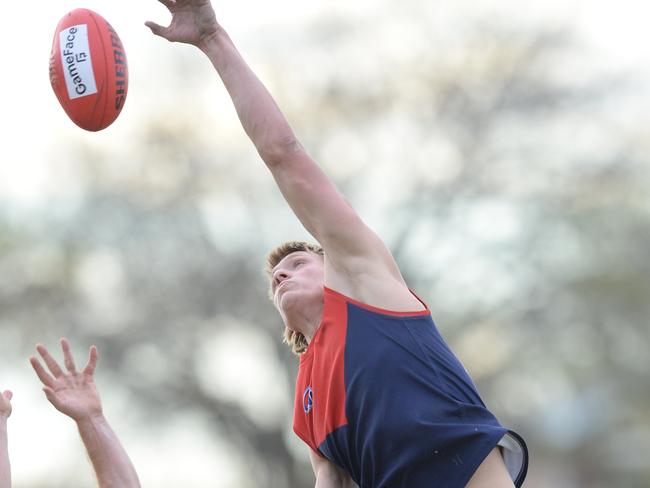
x=297 y=282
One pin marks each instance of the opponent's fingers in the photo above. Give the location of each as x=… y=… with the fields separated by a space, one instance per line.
x=67 y=355
x=43 y=375
x=158 y=29
x=8 y=394
x=89 y=369
x=49 y=360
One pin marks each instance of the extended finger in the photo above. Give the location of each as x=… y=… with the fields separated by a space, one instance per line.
x=8 y=394
x=49 y=360
x=157 y=29
x=89 y=369
x=43 y=375
x=67 y=356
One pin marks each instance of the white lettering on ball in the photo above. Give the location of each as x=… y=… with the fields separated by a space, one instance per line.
x=76 y=61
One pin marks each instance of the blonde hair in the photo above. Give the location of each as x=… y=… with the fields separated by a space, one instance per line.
x=295 y=340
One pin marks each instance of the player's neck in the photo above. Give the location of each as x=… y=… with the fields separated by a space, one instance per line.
x=306 y=320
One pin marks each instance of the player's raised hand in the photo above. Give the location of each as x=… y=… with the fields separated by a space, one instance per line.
x=5 y=403
x=193 y=21
x=71 y=392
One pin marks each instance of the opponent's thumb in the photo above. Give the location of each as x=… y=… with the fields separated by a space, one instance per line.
x=157 y=29
x=51 y=396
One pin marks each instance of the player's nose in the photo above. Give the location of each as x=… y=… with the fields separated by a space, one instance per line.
x=279 y=276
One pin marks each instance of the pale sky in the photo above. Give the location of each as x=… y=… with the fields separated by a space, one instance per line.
x=33 y=122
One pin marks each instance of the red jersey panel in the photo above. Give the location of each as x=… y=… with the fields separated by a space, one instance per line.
x=320 y=386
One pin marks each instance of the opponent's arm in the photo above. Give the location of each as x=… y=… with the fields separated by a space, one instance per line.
x=5 y=412
x=328 y=475
x=348 y=242
x=75 y=394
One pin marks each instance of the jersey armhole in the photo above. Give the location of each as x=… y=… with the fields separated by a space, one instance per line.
x=372 y=308
x=515 y=456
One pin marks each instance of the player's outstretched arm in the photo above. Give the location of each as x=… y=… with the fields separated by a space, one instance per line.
x=5 y=412
x=74 y=394
x=323 y=211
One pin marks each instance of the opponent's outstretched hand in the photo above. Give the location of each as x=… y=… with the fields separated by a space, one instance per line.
x=74 y=393
x=5 y=403
x=71 y=392
x=5 y=467
x=193 y=21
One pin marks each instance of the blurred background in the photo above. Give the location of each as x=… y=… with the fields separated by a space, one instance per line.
x=499 y=148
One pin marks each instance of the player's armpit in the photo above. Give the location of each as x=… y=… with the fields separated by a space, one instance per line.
x=328 y=475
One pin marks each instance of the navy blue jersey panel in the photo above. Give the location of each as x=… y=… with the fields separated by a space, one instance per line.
x=415 y=418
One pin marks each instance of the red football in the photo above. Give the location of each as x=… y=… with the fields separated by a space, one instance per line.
x=88 y=69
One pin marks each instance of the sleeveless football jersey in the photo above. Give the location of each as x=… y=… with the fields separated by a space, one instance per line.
x=381 y=395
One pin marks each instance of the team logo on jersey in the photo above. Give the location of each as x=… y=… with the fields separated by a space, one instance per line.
x=308 y=399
